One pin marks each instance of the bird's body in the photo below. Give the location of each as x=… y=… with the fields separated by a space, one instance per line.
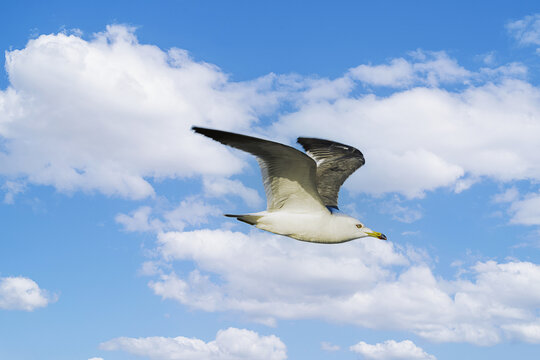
x=301 y=190
x=320 y=227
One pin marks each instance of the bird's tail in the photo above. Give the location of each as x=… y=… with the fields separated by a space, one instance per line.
x=247 y=218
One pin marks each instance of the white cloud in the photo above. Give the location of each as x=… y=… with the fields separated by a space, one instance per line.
x=526 y=211
x=528 y=332
x=511 y=70
x=428 y=68
x=391 y=349
x=109 y=113
x=509 y=195
x=12 y=188
x=487 y=58
x=399 y=73
x=267 y=278
x=20 y=293
x=315 y=89
x=326 y=346
x=96 y=358
x=522 y=209
x=221 y=187
x=230 y=344
x=527 y=30
x=139 y=220
x=191 y=211
x=422 y=139
x=400 y=212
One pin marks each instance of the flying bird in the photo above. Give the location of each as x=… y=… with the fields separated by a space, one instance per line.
x=301 y=189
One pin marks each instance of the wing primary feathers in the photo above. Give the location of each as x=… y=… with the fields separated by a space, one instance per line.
x=335 y=163
x=320 y=149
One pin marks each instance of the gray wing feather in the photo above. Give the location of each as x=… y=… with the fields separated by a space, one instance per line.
x=289 y=175
x=335 y=163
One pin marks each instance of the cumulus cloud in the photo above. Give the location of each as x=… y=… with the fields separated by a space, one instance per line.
x=523 y=209
x=20 y=293
x=391 y=349
x=427 y=68
x=191 y=211
x=108 y=114
x=139 y=220
x=423 y=138
x=222 y=187
x=527 y=331
x=230 y=344
x=267 y=278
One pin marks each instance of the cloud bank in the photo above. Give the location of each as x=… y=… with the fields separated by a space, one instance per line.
x=107 y=114
x=267 y=278
x=391 y=350
x=230 y=344
x=112 y=115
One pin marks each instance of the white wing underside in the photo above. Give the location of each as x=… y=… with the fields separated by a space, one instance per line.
x=289 y=175
x=290 y=185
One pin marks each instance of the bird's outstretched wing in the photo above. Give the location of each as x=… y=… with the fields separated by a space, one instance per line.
x=289 y=175
x=335 y=163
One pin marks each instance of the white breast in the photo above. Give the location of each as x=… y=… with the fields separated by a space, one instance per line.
x=319 y=227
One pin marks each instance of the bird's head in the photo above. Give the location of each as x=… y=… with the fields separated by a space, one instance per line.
x=363 y=231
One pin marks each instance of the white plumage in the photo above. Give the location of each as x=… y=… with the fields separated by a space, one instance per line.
x=301 y=190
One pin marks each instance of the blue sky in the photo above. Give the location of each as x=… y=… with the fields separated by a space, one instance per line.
x=113 y=245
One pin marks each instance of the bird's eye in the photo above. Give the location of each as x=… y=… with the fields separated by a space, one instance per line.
x=359 y=226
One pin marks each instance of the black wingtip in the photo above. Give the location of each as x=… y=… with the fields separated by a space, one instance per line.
x=198 y=129
x=308 y=143
x=211 y=133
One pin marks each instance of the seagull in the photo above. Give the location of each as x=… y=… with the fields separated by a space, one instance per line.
x=301 y=189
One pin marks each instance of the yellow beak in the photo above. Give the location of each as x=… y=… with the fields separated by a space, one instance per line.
x=377 y=235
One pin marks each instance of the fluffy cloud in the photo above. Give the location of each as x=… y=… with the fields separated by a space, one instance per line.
x=191 y=211
x=523 y=209
x=527 y=30
x=527 y=331
x=526 y=211
x=230 y=344
x=423 y=138
x=20 y=293
x=367 y=283
x=269 y=277
x=391 y=349
x=139 y=220
x=221 y=187
x=429 y=68
x=109 y=113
